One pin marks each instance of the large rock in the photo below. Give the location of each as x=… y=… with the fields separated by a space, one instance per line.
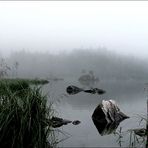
x=107 y=116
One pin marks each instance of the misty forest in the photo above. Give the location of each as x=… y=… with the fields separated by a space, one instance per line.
x=73 y=99
x=107 y=65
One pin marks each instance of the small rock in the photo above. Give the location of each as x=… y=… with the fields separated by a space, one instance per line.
x=76 y=122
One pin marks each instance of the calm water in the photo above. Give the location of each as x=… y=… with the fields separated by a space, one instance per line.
x=130 y=97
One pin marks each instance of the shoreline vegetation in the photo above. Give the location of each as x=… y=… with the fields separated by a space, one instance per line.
x=24 y=115
x=28 y=81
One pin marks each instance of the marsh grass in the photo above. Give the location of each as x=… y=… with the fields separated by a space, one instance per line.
x=29 y=81
x=133 y=137
x=24 y=116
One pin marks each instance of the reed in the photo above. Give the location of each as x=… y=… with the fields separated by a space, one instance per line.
x=24 y=116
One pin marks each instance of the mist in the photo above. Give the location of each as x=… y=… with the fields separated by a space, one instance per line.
x=62 y=26
x=56 y=43
x=105 y=64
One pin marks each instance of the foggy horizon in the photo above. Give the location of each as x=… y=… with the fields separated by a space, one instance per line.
x=58 y=27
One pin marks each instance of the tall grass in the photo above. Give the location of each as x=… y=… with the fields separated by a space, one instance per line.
x=24 y=117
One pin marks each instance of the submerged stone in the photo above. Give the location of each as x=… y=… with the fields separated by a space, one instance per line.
x=58 y=122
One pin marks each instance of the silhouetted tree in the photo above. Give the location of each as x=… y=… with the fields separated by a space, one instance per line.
x=4 y=68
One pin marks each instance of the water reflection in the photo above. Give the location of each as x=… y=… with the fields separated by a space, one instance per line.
x=88 y=83
x=88 y=80
x=72 y=90
x=129 y=95
x=105 y=128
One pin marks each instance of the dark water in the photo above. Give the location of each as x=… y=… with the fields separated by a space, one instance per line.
x=130 y=97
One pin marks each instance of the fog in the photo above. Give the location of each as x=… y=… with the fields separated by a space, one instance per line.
x=105 y=64
x=57 y=27
x=122 y=77
x=61 y=41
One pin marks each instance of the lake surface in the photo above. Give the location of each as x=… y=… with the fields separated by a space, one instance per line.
x=130 y=97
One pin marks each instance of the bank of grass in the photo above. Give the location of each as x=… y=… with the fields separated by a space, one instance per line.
x=24 y=116
x=29 y=81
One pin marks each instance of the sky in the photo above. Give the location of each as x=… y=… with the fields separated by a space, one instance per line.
x=61 y=26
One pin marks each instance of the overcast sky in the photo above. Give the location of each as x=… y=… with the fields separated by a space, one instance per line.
x=57 y=26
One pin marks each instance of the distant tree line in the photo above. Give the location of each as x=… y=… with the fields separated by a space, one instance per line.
x=105 y=64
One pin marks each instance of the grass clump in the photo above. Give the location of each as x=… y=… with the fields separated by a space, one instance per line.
x=24 y=116
x=12 y=86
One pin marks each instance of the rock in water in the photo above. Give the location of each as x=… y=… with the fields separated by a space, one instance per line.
x=76 y=122
x=73 y=90
x=95 y=90
x=107 y=116
x=58 y=122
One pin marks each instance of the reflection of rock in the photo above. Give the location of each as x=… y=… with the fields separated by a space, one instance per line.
x=74 y=90
x=105 y=128
x=88 y=79
x=95 y=90
x=58 y=122
x=107 y=117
